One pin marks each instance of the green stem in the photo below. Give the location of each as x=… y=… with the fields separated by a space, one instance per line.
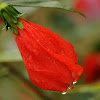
x=10 y=16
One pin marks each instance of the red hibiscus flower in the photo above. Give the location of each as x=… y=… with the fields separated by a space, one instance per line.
x=91 y=65
x=90 y=8
x=49 y=60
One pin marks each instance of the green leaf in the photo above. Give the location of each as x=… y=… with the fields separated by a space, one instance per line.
x=42 y=3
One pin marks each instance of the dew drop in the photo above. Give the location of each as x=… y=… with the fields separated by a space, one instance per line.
x=74 y=82
x=72 y=87
x=36 y=52
x=31 y=60
x=48 y=49
x=64 y=92
x=37 y=40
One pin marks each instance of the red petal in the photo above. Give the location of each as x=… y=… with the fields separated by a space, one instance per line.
x=50 y=65
x=51 y=41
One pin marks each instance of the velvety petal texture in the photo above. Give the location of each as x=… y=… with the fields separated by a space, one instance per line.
x=50 y=61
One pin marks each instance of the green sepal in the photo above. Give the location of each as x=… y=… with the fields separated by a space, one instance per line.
x=20 y=25
x=10 y=16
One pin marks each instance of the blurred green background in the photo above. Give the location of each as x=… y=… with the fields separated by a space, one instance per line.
x=83 y=33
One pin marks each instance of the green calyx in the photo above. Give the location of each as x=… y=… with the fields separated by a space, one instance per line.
x=10 y=16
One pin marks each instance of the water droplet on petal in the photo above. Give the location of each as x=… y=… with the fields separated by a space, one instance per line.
x=8 y=27
x=48 y=49
x=37 y=40
x=36 y=52
x=74 y=82
x=31 y=60
x=64 y=92
x=72 y=87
